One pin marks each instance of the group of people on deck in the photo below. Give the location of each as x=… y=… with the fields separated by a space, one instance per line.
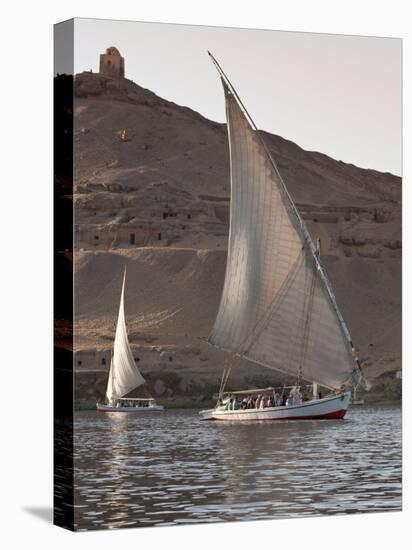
x=264 y=401
x=139 y=404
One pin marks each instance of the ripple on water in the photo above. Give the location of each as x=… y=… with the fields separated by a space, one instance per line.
x=173 y=469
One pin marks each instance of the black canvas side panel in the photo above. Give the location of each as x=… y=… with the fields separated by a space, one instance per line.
x=63 y=276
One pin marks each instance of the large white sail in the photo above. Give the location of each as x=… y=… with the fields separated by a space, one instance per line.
x=124 y=376
x=277 y=306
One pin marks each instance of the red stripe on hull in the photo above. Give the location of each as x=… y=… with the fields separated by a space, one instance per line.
x=335 y=415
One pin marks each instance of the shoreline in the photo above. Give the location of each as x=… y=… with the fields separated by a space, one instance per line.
x=191 y=403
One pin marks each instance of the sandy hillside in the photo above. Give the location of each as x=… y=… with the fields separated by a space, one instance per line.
x=159 y=172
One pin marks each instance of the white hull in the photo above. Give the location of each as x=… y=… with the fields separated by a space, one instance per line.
x=333 y=407
x=127 y=409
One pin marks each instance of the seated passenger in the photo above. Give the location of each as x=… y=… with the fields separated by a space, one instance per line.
x=297 y=396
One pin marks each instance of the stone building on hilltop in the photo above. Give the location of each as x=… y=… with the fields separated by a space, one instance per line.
x=112 y=63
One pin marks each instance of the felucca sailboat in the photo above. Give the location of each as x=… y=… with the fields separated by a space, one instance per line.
x=277 y=308
x=124 y=376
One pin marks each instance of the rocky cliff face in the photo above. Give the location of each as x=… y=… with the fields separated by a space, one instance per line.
x=152 y=190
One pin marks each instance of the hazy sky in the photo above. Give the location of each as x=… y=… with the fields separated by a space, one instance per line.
x=340 y=95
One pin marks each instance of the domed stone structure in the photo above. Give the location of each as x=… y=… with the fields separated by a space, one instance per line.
x=112 y=63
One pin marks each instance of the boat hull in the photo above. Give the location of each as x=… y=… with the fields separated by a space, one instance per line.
x=328 y=408
x=107 y=408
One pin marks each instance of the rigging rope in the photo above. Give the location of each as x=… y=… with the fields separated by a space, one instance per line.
x=307 y=317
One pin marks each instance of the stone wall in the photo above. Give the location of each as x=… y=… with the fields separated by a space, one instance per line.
x=106 y=238
x=112 y=63
x=92 y=360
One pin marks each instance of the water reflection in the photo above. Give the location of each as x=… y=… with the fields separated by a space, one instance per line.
x=171 y=468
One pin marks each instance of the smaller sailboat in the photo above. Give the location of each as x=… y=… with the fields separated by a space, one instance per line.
x=124 y=376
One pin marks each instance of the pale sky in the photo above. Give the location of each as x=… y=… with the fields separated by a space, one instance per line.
x=340 y=95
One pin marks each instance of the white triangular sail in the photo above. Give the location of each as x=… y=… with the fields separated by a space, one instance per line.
x=124 y=376
x=277 y=306
x=109 y=389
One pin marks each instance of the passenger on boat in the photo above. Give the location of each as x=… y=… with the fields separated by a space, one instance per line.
x=262 y=402
x=297 y=396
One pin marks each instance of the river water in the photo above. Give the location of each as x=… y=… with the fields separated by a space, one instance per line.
x=170 y=468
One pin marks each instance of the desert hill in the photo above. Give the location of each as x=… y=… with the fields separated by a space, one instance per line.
x=152 y=192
